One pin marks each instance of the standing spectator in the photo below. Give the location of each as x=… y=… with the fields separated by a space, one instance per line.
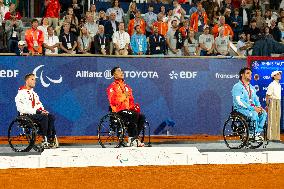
x=174 y=40
x=260 y=21
x=73 y=28
x=198 y=19
x=121 y=40
x=51 y=42
x=222 y=25
x=191 y=44
x=130 y=13
x=253 y=31
x=275 y=31
x=119 y=14
x=178 y=11
x=111 y=25
x=91 y=25
x=52 y=12
x=12 y=8
x=227 y=4
x=13 y=28
x=157 y=43
x=242 y=45
x=34 y=38
x=94 y=12
x=138 y=42
x=136 y=21
x=163 y=11
x=206 y=43
x=268 y=17
x=245 y=14
x=3 y=10
x=150 y=17
x=102 y=18
x=84 y=41
x=68 y=41
x=77 y=8
x=161 y=25
x=170 y=17
x=237 y=24
x=222 y=44
x=44 y=25
x=281 y=27
x=102 y=42
x=214 y=18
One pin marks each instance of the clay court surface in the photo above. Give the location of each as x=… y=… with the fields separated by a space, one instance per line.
x=195 y=176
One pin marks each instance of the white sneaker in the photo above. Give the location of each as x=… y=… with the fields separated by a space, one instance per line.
x=130 y=141
x=140 y=144
x=258 y=137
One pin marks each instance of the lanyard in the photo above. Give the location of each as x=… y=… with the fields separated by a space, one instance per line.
x=67 y=41
x=104 y=40
x=249 y=91
x=159 y=37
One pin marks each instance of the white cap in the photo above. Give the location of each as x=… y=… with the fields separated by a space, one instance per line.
x=275 y=72
x=21 y=43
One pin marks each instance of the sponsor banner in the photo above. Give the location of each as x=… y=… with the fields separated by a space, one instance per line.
x=194 y=93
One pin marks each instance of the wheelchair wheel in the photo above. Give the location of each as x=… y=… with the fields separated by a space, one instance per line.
x=235 y=132
x=111 y=131
x=21 y=134
x=38 y=141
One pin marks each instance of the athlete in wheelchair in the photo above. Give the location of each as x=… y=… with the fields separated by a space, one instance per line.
x=32 y=120
x=246 y=125
x=124 y=117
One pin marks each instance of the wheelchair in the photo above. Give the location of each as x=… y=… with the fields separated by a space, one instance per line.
x=239 y=132
x=112 y=131
x=24 y=135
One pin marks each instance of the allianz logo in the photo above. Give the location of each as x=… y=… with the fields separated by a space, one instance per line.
x=9 y=73
x=182 y=75
x=226 y=76
x=127 y=74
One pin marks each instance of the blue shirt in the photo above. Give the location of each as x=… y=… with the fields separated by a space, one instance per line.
x=138 y=43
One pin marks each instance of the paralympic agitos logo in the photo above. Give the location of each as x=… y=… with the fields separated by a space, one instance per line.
x=43 y=79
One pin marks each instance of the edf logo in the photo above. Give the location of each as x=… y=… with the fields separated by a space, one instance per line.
x=183 y=75
x=9 y=73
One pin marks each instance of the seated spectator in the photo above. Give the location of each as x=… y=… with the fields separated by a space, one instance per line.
x=13 y=28
x=68 y=41
x=138 y=42
x=102 y=42
x=93 y=10
x=191 y=44
x=150 y=17
x=121 y=40
x=161 y=25
x=102 y=18
x=253 y=31
x=227 y=16
x=111 y=25
x=73 y=28
x=34 y=38
x=51 y=42
x=275 y=31
x=237 y=24
x=91 y=25
x=178 y=11
x=222 y=25
x=266 y=33
x=242 y=45
x=281 y=27
x=84 y=41
x=214 y=18
x=163 y=12
x=157 y=43
x=73 y=19
x=184 y=29
x=281 y=15
x=268 y=17
x=22 y=50
x=77 y=8
x=222 y=44
x=226 y=4
x=138 y=20
x=174 y=40
x=44 y=25
x=260 y=21
x=198 y=19
x=12 y=8
x=115 y=8
x=170 y=17
x=52 y=12
x=206 y=43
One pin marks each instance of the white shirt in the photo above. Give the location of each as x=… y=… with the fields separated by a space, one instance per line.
x=3 y=10
x=121 y=39
x=241 y=44
x=24 y=101
x=274 y=90
x=50 y=41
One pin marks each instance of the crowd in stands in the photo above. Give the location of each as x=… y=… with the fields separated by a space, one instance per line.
x=204 y=28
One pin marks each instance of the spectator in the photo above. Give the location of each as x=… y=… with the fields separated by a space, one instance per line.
x=102 y=18
x=242 y=45
x=266 y=33
x=77 y=8
x=111 y=25
x=12 y=8
x=44 y=25
x=136 y=21
x=227 y=4
x=163 y=11
x=281 y=15
x=206 y=43
x=237 y=24
x=184 y=29
x=22 y=50
x=73 y=28
x=91 y=25
x=222 y=44
x=72 y=16
x=51 y=42
x=198 y=19
x=117 y=10
x=138 y=42
x=84 y=41
x=266 y=47
x=260 y=21
x=268 y=17
x=253 y=31
x=210 y=7
x=34 y=38
x=52 y=12
x=170 y=17
x=150 y=17
x=67 y=39
x=255 y=6
x=13 y=28
x=214 y=18
x=132 y=9
x=178 y=11
x=162 y=26
x=245 y=14
x=3 y=10
x=191 y=44
x=281 y=27
x=174 y=40
x=157 y=43
x=227 y=15
x=222 y=25
x=274 y=4
x=102 y=42
x=94 y=12
x=121 y=40
x=275 y=31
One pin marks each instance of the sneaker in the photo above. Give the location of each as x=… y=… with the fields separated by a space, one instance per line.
x=45 y=145
x=140 y=144
x=258 y=137
x=130 y=141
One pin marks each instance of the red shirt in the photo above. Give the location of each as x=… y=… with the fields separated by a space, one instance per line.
x=52 y=9
x=120 y=96
x=8 y=16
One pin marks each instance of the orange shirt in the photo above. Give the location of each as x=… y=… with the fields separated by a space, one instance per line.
x=227 y=30
x=120 y=96
x=32 y=37
x=184 y=31
x=131 y=25
x=194 y=20
x=162 y=27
